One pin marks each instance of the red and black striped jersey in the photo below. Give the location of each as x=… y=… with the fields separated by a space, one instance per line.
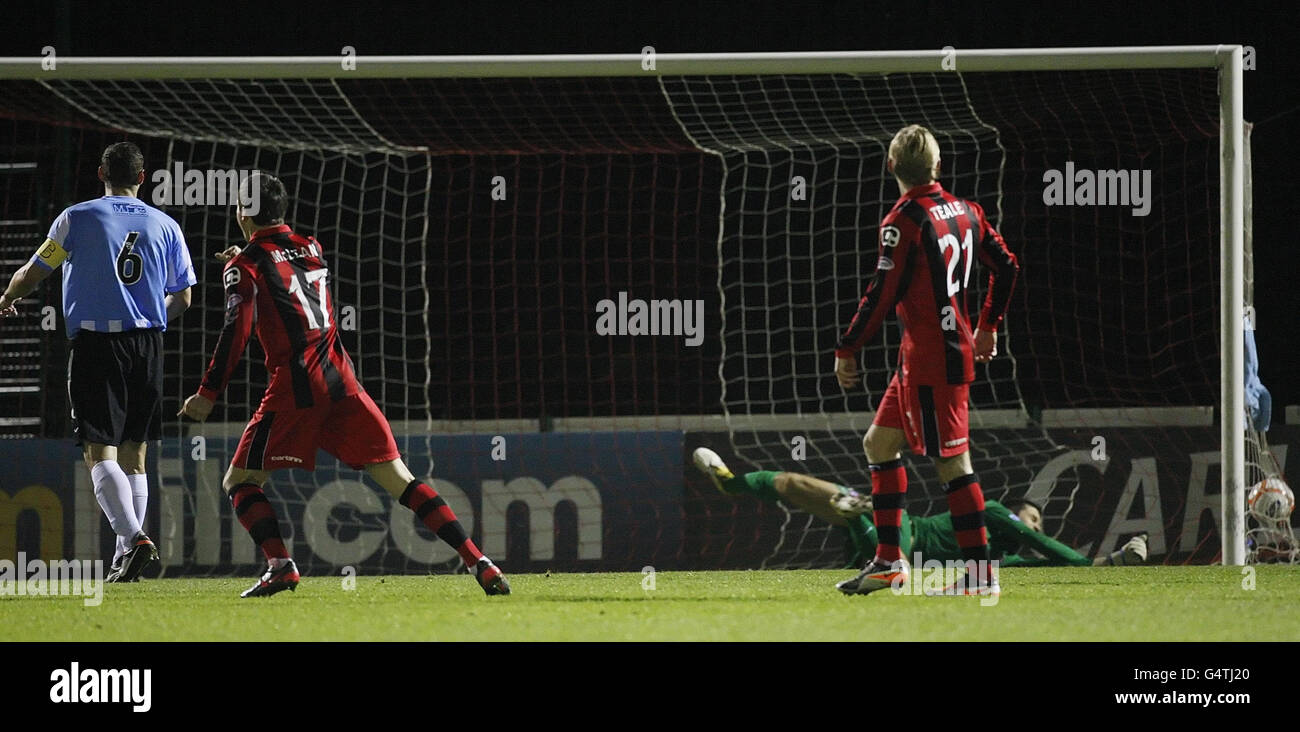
x=278 y=284
x=928 y=242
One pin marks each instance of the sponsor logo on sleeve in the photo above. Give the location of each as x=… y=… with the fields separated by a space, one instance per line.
x=889 y=236
x=232 y=307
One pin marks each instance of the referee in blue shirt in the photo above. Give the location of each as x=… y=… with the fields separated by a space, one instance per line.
x=126 y=273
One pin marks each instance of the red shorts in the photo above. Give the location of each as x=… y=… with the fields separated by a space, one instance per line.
x=352 y=430
x=934 y=418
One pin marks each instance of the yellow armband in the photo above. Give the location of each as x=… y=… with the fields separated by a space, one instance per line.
x=51 y=254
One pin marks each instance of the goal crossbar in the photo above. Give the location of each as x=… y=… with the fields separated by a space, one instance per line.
x=615 y=64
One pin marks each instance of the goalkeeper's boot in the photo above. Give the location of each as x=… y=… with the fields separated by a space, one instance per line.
x=877 y=575
x=709 y=463
x=849 y=503
x=275 y=579
x=490 y=578
x=982 y=581
x=141 y=554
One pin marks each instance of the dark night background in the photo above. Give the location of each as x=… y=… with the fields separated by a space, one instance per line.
x=565 y=27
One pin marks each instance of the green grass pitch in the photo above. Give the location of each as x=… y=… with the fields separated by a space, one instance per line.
x=1076 y=603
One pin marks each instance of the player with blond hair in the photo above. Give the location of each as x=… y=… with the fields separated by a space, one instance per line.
x=927 y=244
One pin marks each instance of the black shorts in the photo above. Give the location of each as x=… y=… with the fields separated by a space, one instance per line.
x=115 y=386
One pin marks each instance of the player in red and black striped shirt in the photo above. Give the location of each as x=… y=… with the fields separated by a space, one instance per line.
x=928 y=243
x=278 y=284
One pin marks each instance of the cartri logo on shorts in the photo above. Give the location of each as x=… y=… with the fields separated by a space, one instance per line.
x=76 y=685
x=287 y=458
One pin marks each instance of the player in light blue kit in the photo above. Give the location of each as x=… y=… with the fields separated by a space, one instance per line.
x=126 y=273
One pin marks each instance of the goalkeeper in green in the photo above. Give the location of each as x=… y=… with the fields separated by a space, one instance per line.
x=1012 y=528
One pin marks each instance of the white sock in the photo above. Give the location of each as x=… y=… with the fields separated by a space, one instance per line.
x=140 y=502
x=139 y=495
x=113 y=491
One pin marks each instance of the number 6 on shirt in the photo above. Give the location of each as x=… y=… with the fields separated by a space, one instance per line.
x=130 y=266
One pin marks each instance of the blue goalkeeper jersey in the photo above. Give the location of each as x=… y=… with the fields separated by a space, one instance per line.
x=120 y=258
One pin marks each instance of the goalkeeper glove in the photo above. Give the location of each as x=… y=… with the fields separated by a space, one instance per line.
x=1134 y=552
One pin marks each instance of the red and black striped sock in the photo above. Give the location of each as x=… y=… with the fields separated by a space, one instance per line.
x=966 y=503
x=438 y=516
x=888 y=488
x=257 y=516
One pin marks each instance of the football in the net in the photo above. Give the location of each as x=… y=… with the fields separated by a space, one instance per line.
x=1271 y=500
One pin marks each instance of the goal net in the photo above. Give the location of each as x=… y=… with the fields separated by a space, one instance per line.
x=472 y=226
x=1110 y=356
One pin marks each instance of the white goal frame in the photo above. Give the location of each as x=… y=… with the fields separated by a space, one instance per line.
x=1226 y=58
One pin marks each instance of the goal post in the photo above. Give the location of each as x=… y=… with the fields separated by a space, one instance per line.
x=411 y=386
x=1232 y=177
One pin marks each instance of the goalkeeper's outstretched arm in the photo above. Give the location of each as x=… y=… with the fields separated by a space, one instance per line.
x=1001 y=520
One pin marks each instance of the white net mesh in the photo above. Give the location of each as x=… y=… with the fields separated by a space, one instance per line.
x=1114 y=313
x=805 y=188
x=365 y=198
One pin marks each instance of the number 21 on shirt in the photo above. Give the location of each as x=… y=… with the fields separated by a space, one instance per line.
x=946 y=242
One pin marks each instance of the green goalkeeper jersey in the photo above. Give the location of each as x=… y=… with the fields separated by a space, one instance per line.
x=935 y=538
